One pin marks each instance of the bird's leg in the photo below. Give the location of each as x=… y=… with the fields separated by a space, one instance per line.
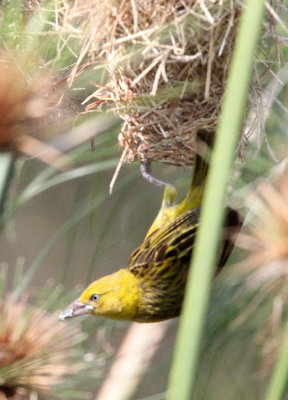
x=167 y=206
x=169 y=197
x=170 y=191
x=145 y=168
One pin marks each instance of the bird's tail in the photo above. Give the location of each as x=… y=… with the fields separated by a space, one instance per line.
x=204 y=145
x=169 y=210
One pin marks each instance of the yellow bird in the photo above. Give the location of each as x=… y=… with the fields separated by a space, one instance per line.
x=152 y=287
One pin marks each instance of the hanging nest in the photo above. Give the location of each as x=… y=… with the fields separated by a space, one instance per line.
x=167 y=64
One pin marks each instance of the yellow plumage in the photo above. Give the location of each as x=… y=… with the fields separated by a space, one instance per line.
x=169 y=211
x=152 y=287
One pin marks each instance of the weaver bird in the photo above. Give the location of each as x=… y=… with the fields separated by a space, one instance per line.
x=152 y=287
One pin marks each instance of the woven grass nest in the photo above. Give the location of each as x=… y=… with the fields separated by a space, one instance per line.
x=167 y=64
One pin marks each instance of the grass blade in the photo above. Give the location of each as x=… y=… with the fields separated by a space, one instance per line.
x=6 y=172
x=184 y=365
x=278 y=381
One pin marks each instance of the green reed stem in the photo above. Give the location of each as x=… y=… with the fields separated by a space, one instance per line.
x=184 y=366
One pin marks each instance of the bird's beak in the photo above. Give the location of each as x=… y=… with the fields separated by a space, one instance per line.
x=76 y=308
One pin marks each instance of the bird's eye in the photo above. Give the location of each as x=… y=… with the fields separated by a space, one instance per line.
x=95 y=297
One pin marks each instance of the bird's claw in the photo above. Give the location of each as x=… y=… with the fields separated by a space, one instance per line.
x=145 y=168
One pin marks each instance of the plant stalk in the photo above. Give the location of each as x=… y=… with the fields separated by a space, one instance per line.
x=184 y=366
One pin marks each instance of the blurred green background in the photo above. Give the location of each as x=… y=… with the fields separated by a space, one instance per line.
x=74 y=232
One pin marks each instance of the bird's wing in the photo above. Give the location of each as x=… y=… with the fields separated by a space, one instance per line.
x=171 y=241
x=231 y=227
x=173 y=229
x=176 y=240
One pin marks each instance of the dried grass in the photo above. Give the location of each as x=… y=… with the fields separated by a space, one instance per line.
x=162 y=66
x=29 y=104
x=36 y=351
x=265 y=268
x=166 y=68
x=266 y=235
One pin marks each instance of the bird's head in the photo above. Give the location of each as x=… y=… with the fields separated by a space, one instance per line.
x=116 y=296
